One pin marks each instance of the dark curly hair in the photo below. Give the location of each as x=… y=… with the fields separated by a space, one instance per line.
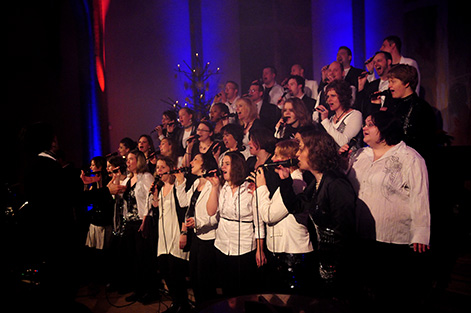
x=323 y=151
x=344 y=92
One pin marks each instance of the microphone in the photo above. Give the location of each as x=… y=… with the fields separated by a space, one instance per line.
x=218 y=172
x=161 y=125
x=112 y=154
x=365 y=73
x=157 y=184
x=191 y=138
x=156 y=152
x=281 y=130
x=90 y=173
x=351 y=144
x=369 y=60
x=376 y=95
x=178 y=170
x=285 y=163
x=229 y=115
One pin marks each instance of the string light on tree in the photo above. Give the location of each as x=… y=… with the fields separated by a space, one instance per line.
x=198 y=78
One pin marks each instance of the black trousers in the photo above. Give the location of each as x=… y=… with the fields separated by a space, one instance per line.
x=174 y=271
x=202 y=269
x=138 y=255
x=395 y=275
x=237 y=273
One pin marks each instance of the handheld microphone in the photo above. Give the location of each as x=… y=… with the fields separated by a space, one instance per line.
x=178 y=170
x=376 y=95
x=157 y=184
x=156 y=152
x=90 y=173
x=112 y=154
x=365 y=73
x=218 y=172
x=351 y=144
x=229 y=115
x=191 y=138
x=285 y=92
x=369 y=60
x=285 y=163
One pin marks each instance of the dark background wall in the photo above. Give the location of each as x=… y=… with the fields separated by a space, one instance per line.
x=145 y=40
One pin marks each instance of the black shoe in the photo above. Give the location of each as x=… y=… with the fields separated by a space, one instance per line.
x=133 y=297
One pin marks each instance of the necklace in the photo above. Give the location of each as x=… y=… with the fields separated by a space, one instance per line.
x=337 y=118
x=204 y=147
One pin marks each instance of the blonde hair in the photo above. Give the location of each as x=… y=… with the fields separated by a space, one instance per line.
x=141 y=162
x=287 y=148
x=253 y=113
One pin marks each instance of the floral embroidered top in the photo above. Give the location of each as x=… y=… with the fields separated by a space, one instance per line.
x=393 y=195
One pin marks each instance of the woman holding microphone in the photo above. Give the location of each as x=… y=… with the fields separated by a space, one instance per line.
x=240 y=233
x=290 y=258
x=200 y=227
x=172 y=254
x=327 y=204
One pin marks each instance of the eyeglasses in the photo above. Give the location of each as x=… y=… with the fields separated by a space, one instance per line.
x=202 y=130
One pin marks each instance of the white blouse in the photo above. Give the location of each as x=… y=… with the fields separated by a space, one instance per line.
x=395 y=190
x=205 y=225
x=284 y=233
x=346 y=128
x=238 y=223
x=141 y=192
x=169 y=228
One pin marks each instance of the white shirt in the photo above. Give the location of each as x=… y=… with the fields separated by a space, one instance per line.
x=395 y=189
x=315 y=114
x=383 y=85
x=205 y=225
x=186 y=135
x=346 y=128
x=413 y=63
x=238 y=222
x=141 y=192
x=275 y=93
x=169 y=228
x=284 y=233
x=310 y=88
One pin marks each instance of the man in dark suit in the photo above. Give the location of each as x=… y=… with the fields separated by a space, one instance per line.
x=344 y=56
x=296 y=89
x=47 y=227
x=269 y=113
x=382 y=62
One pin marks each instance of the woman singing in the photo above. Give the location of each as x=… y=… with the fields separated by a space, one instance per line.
x=204 y=144
x=135 y=210
x=240 y=233
x=290 y=258
x=328 y=202
x=293 y=116
x=200 y=227
x=172 y=258
x=146 y=145
x=248 y=118
x=346 y=122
